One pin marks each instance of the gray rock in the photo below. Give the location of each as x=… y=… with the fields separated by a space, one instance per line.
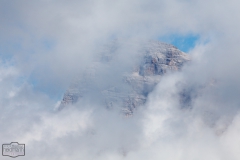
x=156 y=59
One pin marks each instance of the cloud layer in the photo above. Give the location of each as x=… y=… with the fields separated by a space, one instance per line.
x=45 y=44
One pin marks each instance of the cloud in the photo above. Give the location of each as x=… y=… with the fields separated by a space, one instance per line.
x=46 y=44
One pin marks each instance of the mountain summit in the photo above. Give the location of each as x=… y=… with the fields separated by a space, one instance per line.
x=131 y=88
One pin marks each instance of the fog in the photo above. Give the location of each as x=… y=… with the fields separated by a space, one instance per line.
x=44 y=45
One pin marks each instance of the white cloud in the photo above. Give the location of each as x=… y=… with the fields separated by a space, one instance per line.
x=45 y=44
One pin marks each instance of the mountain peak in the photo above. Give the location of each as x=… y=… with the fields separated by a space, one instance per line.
x=156 y=59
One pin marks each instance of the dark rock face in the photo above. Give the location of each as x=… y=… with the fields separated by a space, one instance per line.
x=156 y=59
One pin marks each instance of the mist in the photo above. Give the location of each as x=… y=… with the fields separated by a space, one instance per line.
x=45 y=45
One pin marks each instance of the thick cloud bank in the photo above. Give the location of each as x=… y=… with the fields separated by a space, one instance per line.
x=45 y=44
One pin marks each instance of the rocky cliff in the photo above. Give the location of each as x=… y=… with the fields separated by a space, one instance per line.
x=156 y=59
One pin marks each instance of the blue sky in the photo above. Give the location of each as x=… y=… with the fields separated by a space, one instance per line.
x=183 y=42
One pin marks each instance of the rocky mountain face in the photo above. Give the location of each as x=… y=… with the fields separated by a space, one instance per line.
x=155 y=59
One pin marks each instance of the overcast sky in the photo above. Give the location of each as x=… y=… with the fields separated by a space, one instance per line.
x=44 y=44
